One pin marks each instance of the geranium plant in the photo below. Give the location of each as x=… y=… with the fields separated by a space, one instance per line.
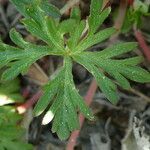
x=70 y=39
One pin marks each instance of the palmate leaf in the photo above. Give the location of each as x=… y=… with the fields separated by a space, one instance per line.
x=70 y=39
x=22 y=58
x=120 y=69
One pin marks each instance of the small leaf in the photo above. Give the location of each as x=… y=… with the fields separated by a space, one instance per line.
x=76 y=35
x=129 y=61
x=21 y=6
x=80 y=104
x=50 y=9
x=67 y=26
x=17 y=39
x=53 y=34
x=95 y=39
x=100 y=19
x=49 y=93
x=76 y=14
x=17 y=67
x=95 y=9
x=116 y=50
x=35 y=29
x=34 y=12
x=136 y=74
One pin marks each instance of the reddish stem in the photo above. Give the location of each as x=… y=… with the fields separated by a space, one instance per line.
x=142 y=43
x=26 y=92
x=121 y=14
x=29 y=103
x=130 y=2
x=88 y=99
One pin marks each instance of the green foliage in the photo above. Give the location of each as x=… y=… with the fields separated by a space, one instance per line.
x=11 y=133
x=9 y=92
x=134 y=15
x=60 y=91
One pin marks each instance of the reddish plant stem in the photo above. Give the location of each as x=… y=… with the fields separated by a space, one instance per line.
x=121 y=14
x=29 y=103
x=88 y=99
x=130 y=2
x=140 y=38
x=120 y=18
x=26 y=92
x=142 y=43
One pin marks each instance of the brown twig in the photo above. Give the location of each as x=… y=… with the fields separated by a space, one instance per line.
x=136 y=92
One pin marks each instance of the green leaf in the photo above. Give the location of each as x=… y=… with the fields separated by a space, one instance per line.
x=66 y=102
x=116 y=50
x=99 y=20
x=76 y=35
x=34 y=12
x=10 y=92
x=17 y=39
x=50 y=91
x=16 y=69
x=129 y=61
x=80 y=104
x=76 y=14
x=105 y=84
x=141 y=6
x=53 y=34
x=95 y=39
x=94 y=18
x=70 y=39
x=35 y=29
x=19 y=61
x=67 y=26
x=22 y=6
x=10 y=132
x=50 y=9
x=136 y=74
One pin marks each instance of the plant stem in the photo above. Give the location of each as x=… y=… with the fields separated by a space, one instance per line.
x=30 y=102
x=142 y=43
x=144 y=97
x=121 y=14
x=120 y=18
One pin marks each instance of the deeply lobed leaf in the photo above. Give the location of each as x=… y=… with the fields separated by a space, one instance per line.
x=66 y=101
x=71 y=39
